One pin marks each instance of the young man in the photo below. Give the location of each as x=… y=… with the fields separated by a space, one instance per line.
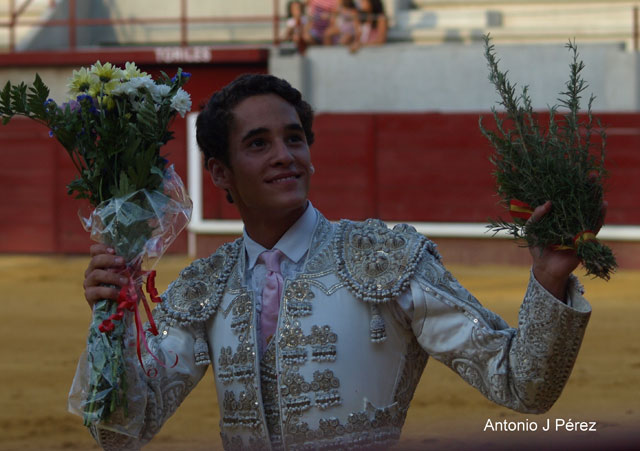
x=324 y=347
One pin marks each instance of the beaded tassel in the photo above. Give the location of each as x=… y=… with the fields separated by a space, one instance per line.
x=200 y=347
x=376 y=326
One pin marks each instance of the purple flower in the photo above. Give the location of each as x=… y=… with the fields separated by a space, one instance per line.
x=182 y=75
x=49 y=102
x=73 y=105
x=82 y=97
x=50 y=133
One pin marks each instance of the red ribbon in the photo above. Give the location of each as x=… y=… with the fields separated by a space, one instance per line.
x=128 y=300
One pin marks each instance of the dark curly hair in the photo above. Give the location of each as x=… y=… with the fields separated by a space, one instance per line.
x=215 y=120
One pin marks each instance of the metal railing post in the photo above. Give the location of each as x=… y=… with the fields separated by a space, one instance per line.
x=72 y=25
x=635 y=28
x=276 y=22
x=12 y=26
x=183 y=23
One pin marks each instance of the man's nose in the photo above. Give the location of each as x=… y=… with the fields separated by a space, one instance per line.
x=281 y=153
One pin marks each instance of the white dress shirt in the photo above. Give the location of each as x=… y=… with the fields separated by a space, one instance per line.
x=294 y=244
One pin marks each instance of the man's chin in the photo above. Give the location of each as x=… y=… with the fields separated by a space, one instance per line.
x=290 y=204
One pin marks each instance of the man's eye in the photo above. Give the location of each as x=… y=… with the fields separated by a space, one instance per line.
x=295 y=139
x=258 y=142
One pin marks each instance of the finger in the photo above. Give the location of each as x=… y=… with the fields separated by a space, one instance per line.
x=100 y=277
x=95 y=294
x=99 y=248
x=540 y=211
x=102 y=284
x=105 y=261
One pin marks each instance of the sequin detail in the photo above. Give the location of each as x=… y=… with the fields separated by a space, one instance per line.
x=375 y=261
x=197 y=293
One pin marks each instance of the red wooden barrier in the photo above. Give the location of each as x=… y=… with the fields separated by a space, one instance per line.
x=412 y=167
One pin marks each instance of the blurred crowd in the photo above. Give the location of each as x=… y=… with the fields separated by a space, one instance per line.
x=351 y=23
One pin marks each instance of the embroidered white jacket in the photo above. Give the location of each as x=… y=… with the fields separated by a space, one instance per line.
x=343 y=365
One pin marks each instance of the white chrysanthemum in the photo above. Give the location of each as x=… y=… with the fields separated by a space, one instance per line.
x=122 y=89
x=181 y=102
x=144 y=82
x=160 y=92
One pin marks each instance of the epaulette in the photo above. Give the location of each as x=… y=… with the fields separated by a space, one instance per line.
x=376 y=262
x=196 y=294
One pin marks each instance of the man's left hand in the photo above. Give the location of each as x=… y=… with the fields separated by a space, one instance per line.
x=552 y=267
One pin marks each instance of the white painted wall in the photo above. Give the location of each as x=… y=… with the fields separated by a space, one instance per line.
x=453 y=77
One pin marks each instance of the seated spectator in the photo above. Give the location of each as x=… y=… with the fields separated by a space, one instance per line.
x=373 y=24
x=296 y=29
x=320 y=12
x=344 y=28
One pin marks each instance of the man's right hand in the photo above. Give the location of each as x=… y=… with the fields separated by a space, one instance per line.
x=104 y=269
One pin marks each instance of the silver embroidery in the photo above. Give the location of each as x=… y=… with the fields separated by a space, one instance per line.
x=414 y=363
x=240 y=409
x=196 y=294
x=532 y=363
x=376 y=262
x=169 y=393
x=370 y=429
x=320 y=260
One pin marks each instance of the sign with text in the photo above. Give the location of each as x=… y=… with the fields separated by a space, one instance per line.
x=197 y=54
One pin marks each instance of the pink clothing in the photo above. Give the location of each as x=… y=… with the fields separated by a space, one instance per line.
x=368 y=34
x=331 y=5
x=320 y=16
x=270 y=294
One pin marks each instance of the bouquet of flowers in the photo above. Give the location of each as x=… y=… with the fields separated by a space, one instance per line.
x=112 y=129
x=562 y=162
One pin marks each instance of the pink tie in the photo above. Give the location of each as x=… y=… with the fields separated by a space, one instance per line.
x=270 y=294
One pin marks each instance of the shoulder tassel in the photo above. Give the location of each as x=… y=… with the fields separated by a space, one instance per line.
x=200 y=347
x=376 y=326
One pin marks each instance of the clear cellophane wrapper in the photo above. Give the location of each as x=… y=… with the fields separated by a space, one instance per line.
x=110 y=385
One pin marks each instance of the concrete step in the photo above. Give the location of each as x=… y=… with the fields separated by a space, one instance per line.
x=430 y=4
x=517 y=21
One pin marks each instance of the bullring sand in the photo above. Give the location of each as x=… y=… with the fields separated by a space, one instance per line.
x=44 y=321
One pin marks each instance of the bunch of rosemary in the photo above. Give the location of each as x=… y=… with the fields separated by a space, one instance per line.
x=562 y=162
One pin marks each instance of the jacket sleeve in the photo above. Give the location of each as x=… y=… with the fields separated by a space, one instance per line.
x=162 y=387
x=523 y=368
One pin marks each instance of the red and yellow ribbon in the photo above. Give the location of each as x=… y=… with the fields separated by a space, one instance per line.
x=523 y=210
x=519 y=209
x=582 y=237
x=128 y=301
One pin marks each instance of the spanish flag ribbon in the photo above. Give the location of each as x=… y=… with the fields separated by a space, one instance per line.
x=519 y=209
x=582 y=237
x=585 y=235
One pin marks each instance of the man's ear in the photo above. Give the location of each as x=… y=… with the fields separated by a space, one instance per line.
x=220 y=173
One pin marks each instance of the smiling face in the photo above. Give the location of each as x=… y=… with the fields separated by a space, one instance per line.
x=270 y=164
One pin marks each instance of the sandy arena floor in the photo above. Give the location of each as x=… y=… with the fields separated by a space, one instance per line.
x=44 y=320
